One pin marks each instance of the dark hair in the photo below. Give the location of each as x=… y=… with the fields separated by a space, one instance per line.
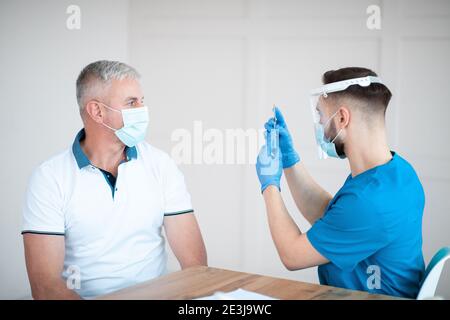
x=376 y=96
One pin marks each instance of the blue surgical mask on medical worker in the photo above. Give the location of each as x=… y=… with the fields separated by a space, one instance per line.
x=329 y=147
x=135 y=123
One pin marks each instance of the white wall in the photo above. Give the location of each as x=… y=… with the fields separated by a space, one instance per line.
x=39 y=61
x=225 y=63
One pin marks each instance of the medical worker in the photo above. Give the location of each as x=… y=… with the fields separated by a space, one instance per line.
x=368 y=236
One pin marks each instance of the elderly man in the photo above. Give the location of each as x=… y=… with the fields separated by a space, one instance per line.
x=93 y=214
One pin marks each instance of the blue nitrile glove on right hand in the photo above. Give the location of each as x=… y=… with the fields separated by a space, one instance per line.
x=288 y=153
x=269 y=167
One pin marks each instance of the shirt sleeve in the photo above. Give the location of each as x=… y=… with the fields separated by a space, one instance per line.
x=177 y=199
x=42 y=210
x=349 y=232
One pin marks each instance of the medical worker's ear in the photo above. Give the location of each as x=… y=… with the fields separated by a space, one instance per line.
x=94 y=111
x=343 y=117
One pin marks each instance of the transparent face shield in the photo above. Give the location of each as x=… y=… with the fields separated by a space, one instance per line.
x=318 y=125
x=321 y=121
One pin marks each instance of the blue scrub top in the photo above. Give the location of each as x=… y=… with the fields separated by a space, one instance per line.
x=373 y=228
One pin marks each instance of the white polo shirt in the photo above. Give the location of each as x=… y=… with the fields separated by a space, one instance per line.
x=112 y=232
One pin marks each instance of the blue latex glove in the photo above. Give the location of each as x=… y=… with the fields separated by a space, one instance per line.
x=289 y=155
x=269 y=166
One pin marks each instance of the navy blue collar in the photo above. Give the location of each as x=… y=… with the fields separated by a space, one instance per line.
x=82 y=159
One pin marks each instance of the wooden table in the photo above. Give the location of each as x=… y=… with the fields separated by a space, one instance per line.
x=204 y=281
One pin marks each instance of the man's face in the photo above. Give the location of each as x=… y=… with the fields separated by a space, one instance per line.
x=326 y=108
x=121 y=94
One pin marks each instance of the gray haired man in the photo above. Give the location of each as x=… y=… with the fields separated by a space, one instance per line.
x=93 y=214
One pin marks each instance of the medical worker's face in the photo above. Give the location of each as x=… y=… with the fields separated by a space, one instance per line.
x=339 y=143
x=327 y=109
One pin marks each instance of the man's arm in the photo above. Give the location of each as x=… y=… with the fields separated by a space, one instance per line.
x=294 y=248
x=44 y=255
x=310 y=198
x=185 y=240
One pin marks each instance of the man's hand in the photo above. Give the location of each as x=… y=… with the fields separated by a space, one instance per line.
x=289 y=155
x=269 y=167
x=310 y=198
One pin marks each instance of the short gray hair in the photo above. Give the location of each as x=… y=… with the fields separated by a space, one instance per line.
x=101 y=73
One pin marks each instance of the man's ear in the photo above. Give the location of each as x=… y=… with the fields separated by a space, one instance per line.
x=343 y=115
x=94 y=111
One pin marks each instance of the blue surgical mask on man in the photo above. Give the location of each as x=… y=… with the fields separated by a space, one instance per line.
x=329 y=147
x=135 y=123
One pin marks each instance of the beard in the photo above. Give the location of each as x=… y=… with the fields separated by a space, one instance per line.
x=339 y=144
